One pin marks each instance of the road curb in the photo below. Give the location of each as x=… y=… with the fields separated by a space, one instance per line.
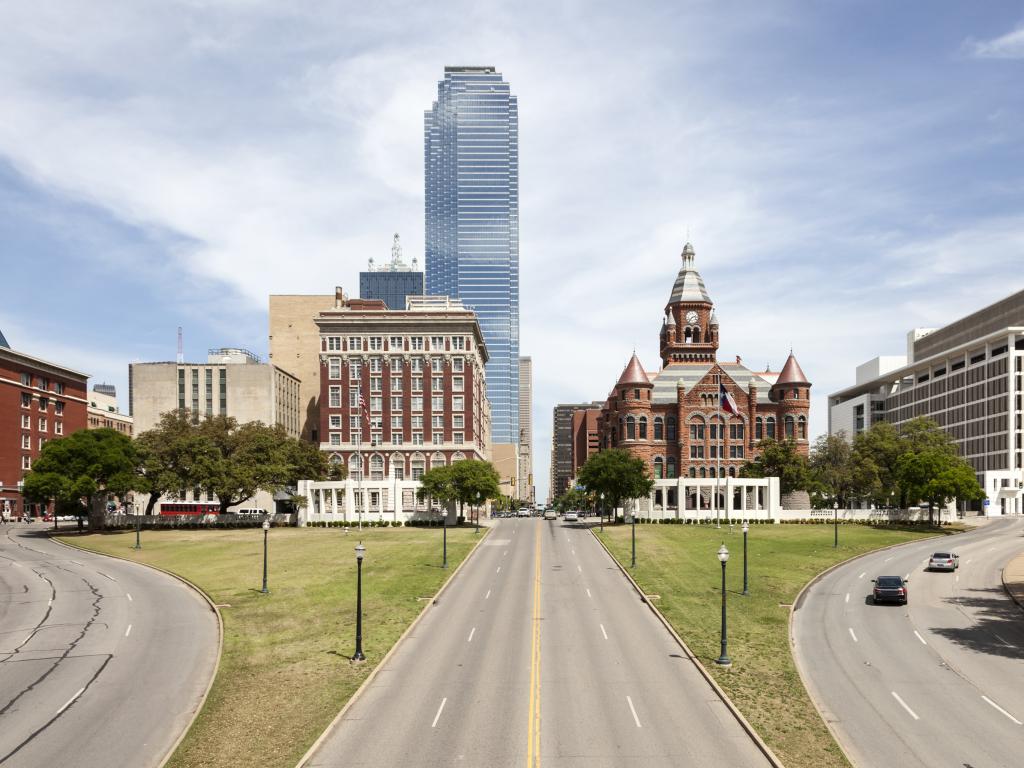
x=1014 y=589
x=220 y=634
x=380 y=665
x=746 y=726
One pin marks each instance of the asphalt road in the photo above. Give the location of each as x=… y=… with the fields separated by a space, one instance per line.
x=102 y=662
x=935 y=683
x=539 y=653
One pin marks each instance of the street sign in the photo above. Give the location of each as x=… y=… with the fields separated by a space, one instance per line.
x=986 y=502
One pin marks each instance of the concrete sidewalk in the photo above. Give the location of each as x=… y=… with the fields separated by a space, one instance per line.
x=1013 y=579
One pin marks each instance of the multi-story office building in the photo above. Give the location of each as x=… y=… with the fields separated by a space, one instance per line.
x=967 y=377
x=295 y=346
x=526 y=488
x=393 y=281
x=586 y=436
x=232 y=382
x=104 y=413
x=471 y=164
x=39 y=401
x=402 y=391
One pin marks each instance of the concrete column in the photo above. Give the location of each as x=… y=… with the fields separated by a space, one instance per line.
x=334 y=501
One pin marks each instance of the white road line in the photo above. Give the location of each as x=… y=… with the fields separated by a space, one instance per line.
x=633 y=710
x=438 y=715
x=49 y=602
x=862 y=575
x=847 y=597
x=603 y=632
x=129 y=596
x=588 y=593
x=504 y=553
x=968 y=562
x=904 y=705
x=16 y=564
x=574 y=553
x=471 y=633
x=77 y=563
x=499 y=569
x=986 y=698
x=957 y=578
x=71 y=700
x=920 y=638
x=906 y=577
x=488 y=595
x=852 y=634
x=128 y=631
x=101 y=573
x=578 y=568
x=887 y=559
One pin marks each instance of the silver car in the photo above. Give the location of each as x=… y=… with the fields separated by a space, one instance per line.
x=944 y=561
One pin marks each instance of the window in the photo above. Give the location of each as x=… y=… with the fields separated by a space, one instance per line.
x=396 y=403
x=376 y=467
x=58 y=408
x=458 y=402
x=659 y=467
x=418 y=463
x=355 y=467
x=802 y=424
x=458 y=342
x=416 y=365
x=458 y=421
x=697 y=451
x=437 y=343
x=26 y=421
x=789 y=427
x=437 y=403
x=670 y=428
x=376 y=365
x=376 y=438
x=353 y=397
x=437 y=422
x=458 y=383
x=437 y=438
x=769 y=427
x=630 y=428
x=736 y=431
x=735 y=451
x=335 y=438
x=417 y=422
x=758 y=428
x=335 y=421
x=436 y=365
x=334 y=395
x=26 y=462
x=458 y=438
x=42 y=424
x=26 y=379
x=417 y=439
x=396 y=384
x=696 y=431
x=416 y=342
x=376 y=384
x=58 y=388
x=26 y=442
x=671 y=466
x=355 y=369
x=458 y=364
x=417 y=383
x=26 y=400
x=376 y=403
x=44 y=383
x=398 y=466
x=643 y=427
x=397 y=439
x=334 y=368
x=659 y=428
x=58 y=427
x=396 y=365
x=437 y=460
x=355 y=343
x=417 y=403
x=436 y=383
x=396 y=423
x=376 y=345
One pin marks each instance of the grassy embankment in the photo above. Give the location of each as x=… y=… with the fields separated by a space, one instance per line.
x=679 y=563
x=285 y=672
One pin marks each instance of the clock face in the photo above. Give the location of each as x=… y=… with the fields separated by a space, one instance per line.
x=691 y=316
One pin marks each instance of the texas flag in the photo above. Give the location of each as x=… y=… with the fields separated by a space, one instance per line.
x=728 y=404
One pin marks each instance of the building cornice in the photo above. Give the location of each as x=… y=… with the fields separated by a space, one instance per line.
x=40 y=364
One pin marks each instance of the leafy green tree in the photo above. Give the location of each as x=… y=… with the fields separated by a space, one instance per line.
x=617 y=474
x=474 y=482
x=169 y=456
x=935 y=475
x=780 y=459
x=574 y=498
x=438 y=483
x=875 y=452
x=86 y=465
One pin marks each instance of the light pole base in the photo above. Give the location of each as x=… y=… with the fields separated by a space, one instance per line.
x=723 y=661
x=745 y=593
x=264 y=591
x=358 y=656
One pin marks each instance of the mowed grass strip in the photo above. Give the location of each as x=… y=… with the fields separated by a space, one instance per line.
x=285 y=670
x=680 y=563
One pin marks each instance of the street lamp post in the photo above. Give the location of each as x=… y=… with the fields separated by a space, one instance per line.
x=601 y=518
x=444 y=542
x=266 y=529
x=360 y=553
x=746 y=527
x=138 y=532
x=633 y=518
x=835 y=524
x=723 y=660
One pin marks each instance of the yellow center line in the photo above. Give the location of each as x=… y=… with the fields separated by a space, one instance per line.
x=533 y=722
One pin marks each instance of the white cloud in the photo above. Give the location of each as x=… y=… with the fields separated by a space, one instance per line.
x=1008 y=46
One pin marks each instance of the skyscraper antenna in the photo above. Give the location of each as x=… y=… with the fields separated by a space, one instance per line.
x=181 y=352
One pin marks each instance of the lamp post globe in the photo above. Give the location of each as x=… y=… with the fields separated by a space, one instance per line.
x=723 y=660
x=835 y=525
x=360 y=554
x=746 y=527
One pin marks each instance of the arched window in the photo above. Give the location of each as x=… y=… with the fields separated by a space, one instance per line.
x=796 y=394
x=643 y=427
x=419 y=464
x=769 y=427
x=437 y=460
x=758 y=428
x=696 y=335
x=732 y=471
x=802 y=431
x=336 y=459
x=659 y=428
x=693 y=471
x=671 y=468
x=670 y=428
x=703 y=472
x=376 y=467
x=398 y=466
x=355 y=470
x=630 y=428
x=659 y=467
x=687 y=335
x=789 y=427
x=458 y=456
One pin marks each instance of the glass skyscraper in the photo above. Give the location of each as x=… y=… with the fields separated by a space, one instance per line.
x=471 y=164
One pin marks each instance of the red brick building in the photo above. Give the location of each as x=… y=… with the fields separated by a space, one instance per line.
x=586 y=436
x=674 y=419
x=419 y=374
x=39 y=401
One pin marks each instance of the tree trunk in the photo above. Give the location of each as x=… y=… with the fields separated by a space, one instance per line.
x=153 y=499
x=97 y=504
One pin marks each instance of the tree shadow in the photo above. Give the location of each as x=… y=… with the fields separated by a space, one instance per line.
x=997 y=625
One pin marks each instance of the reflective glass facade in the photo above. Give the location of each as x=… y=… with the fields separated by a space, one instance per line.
x=471 y=164
x=391 y=287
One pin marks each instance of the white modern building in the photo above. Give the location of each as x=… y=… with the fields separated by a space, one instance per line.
x=966 y=376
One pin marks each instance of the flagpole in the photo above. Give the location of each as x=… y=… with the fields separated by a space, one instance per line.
x=718 y=451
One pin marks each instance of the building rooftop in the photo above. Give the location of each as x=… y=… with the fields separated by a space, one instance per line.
x=689 y=285
x=687 y=375
x=3 y=341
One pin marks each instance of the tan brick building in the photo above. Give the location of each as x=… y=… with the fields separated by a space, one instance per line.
x=678 y=419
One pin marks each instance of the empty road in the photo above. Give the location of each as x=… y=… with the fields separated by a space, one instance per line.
x=102 y=662
x=933 y=683
x=539 y=653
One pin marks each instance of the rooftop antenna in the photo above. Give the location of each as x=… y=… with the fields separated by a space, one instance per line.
x=181 y=353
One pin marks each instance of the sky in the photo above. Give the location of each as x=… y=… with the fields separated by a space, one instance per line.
x=845 y=170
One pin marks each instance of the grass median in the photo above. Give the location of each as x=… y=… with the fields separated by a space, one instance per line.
x=285 y=670
x=679 y=563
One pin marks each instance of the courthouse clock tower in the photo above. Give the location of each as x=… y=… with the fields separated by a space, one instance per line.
x=689 y=332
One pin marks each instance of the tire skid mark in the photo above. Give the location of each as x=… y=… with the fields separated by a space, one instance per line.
x=39 y=625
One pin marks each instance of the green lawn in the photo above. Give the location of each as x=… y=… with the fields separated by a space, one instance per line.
x=679 y=563
x=285 y=670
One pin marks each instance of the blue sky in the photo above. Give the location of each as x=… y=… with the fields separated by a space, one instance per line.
x=845 y=170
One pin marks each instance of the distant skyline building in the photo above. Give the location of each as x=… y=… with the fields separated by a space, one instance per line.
x=526 y=485
x=393 y=281
x=471 y=177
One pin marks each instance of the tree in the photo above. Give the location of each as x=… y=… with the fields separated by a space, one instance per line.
x=169 y=456
x=86 y=465
x=779 y=459
x=936 y=476
x=617 y=474
x=875 y=452
x=474 y=482
x=438 y=483
x=574 y=498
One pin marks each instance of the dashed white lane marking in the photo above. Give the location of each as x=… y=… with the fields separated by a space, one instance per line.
x=439 y=710
x=129 y=596
x=957 y=578
x=49 y=603
x=986 y=698
x=499 y=569
x=968 y=562
x=847 y=597
x=16 y=564
x=633 y=710
x=77 y=563
x=920 y=638
x=504 y=553
x=903 y=704
x=471 y=633
x=588 y=593
x=101 y=573
x=887 y=559
x=603 y=632
x=578 y=568
x=128 y=631
x=488 y=595
x=574 y=553
x=71 y=700
x=852 y=634
x=862 y=575
x=906 y=577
